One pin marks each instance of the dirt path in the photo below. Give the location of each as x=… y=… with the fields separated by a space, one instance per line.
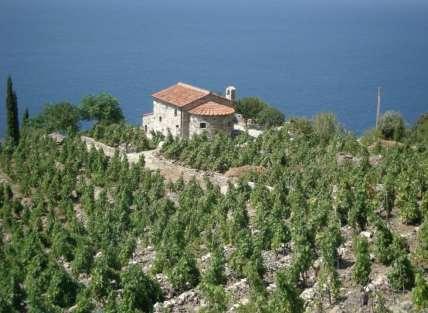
x=168 y=169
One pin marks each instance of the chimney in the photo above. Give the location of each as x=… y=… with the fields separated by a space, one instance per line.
x=231 y=93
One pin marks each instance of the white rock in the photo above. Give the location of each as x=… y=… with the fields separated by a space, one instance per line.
x=366 y=234
x=308 y=294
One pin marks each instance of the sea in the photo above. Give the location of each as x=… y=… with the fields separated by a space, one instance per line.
x=302 y=56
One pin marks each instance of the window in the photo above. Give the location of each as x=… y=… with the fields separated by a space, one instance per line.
x=175 y=112
x=176 y=126
x=203 y=125
x=160 y=118
x=145 y=128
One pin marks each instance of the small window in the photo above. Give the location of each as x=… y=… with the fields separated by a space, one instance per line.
x=145 y=128
x=203 y=125
x=160 y=118
x=175 y=112
x=176 y=126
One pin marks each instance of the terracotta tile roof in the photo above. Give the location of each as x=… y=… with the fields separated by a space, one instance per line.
x=212 y=108
x=180 y=94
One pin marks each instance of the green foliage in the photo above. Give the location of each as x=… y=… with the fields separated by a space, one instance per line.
x=410 y=212
x=185 y=275
x=420 y=292
x=218 y=154
x=359 y=211
x=419 y=132
x=101 y=108
x=12 y=127
x=115 y=135
x=391 y=125
x=62 y=117
x=139 y=291
x=269 y=117
x=362 y=267
x=401 y=276
x=102 y=277
x=83 y=258
x=62 y=289
x=371 y=136
x=262 y=113
x=379 y=305
x=286 y=297
x=216 y=297
x=421 y=253
x=215 y=273
x=326 y=126
x=389 y=247
x=98 y=215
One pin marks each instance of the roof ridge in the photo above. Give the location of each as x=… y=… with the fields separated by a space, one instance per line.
x=193 y=87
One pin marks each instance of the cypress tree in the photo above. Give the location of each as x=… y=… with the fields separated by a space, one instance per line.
x=12 y=113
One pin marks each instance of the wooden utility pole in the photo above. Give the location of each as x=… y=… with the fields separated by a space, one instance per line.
x=379 y=98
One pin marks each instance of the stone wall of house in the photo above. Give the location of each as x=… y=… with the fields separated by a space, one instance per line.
x=164 y=118
x=181 y=123
x=213 y=124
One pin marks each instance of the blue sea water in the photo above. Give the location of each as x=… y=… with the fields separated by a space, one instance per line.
x=303 y=56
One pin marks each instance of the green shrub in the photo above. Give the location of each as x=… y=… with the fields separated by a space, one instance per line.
x=391 y=125
x=122 y=134
x=401 y=276
x=362 y=267
x=259 y=111
x=185 y=274
x=420 y=292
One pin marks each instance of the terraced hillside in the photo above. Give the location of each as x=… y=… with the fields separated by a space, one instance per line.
x=327 y=223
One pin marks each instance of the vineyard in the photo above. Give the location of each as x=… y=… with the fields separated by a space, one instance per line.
x=328 y=223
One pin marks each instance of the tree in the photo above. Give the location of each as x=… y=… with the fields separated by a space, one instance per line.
x=262 y=113
x=249 y=107
x=270 y=117
x=401 y=276
x=62 y=117
x=102 y=108
x=12 y=131
x=420 y=292
x=391 y=125
x=420 y=129
x=362 y=267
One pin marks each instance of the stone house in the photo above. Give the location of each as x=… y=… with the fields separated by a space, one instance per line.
x=185 y=110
